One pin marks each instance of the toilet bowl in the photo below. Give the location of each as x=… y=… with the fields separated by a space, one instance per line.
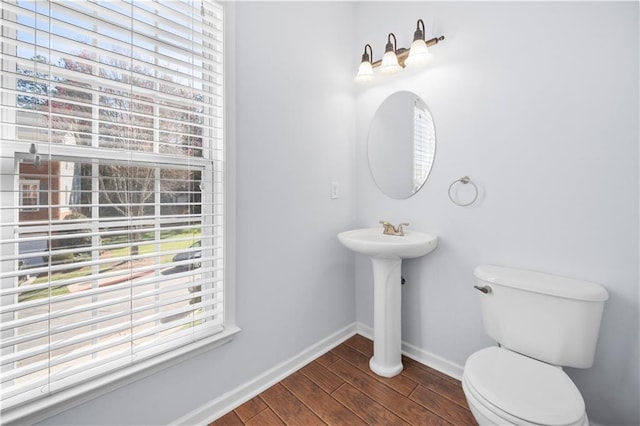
x=506 y=388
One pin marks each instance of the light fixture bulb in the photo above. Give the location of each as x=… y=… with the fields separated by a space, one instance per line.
x=390 y=64
x=418 y=53
x=365 y=72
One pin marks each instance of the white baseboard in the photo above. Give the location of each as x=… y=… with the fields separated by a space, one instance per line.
x=236 y=397
x=423 y=357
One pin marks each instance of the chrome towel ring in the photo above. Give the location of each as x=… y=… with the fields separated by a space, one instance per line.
x=464 y=180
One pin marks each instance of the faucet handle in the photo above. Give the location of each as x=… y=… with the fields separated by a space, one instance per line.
x=388 y=228
x=400 y=230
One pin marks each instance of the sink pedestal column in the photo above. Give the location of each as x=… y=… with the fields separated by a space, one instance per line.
x=387 y=331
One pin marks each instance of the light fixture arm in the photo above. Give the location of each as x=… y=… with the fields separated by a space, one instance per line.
x=419 y=34
x=367 y=57
x=390 y=47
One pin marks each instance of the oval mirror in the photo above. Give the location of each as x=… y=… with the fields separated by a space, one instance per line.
x=401 y=145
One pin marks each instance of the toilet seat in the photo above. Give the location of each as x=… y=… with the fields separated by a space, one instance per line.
x=521 y=390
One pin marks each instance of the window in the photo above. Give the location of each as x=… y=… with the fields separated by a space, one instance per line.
x=29 y=195
x=111 y=160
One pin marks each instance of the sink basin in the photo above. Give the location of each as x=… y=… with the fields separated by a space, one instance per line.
x=373 y=243
x=386 y=253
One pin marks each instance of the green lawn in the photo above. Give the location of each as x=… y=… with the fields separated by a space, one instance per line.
x=39 y=294
x=169 y=244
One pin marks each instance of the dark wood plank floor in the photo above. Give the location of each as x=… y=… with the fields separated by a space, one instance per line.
x=339 y=389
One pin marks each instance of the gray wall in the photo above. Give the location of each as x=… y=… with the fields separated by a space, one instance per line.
x=294 y=281
x=538 y=104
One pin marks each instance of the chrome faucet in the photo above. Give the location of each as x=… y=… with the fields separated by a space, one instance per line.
x=389 y=229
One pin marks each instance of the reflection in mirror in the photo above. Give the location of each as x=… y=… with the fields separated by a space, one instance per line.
x=401 y=145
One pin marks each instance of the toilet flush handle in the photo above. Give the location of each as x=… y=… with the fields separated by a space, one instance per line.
x=486 y=289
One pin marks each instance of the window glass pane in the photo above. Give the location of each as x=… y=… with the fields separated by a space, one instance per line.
x=90 y=271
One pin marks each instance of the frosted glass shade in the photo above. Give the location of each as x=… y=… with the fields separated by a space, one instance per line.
x=418 y=54
x=365 y=73
x=389 y=64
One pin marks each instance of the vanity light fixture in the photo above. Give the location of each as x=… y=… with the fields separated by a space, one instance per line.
x=419 y=50
x=365 y=71
x=390 y=63
x=394 y=59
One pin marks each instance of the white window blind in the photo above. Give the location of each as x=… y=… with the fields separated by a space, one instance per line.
x=111 y=161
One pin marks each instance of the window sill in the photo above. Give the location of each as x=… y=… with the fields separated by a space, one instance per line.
x=44 y=408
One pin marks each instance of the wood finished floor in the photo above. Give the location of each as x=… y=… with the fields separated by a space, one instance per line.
x=339 y=389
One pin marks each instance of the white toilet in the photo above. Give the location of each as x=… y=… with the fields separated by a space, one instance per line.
x=541 y=323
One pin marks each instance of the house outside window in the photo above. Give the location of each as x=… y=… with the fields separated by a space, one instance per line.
x=113 y=230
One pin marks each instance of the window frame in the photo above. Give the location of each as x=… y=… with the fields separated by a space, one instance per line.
x=51 y=405
x=29 y=207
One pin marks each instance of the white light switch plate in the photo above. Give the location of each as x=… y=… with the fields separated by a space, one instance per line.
x=335 y=190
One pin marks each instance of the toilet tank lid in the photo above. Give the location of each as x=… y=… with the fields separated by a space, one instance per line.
x=539 y=282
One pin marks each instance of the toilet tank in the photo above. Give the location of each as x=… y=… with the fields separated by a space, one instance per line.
x=546 y=317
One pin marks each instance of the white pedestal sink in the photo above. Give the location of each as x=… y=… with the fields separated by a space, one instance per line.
x=386 y=253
